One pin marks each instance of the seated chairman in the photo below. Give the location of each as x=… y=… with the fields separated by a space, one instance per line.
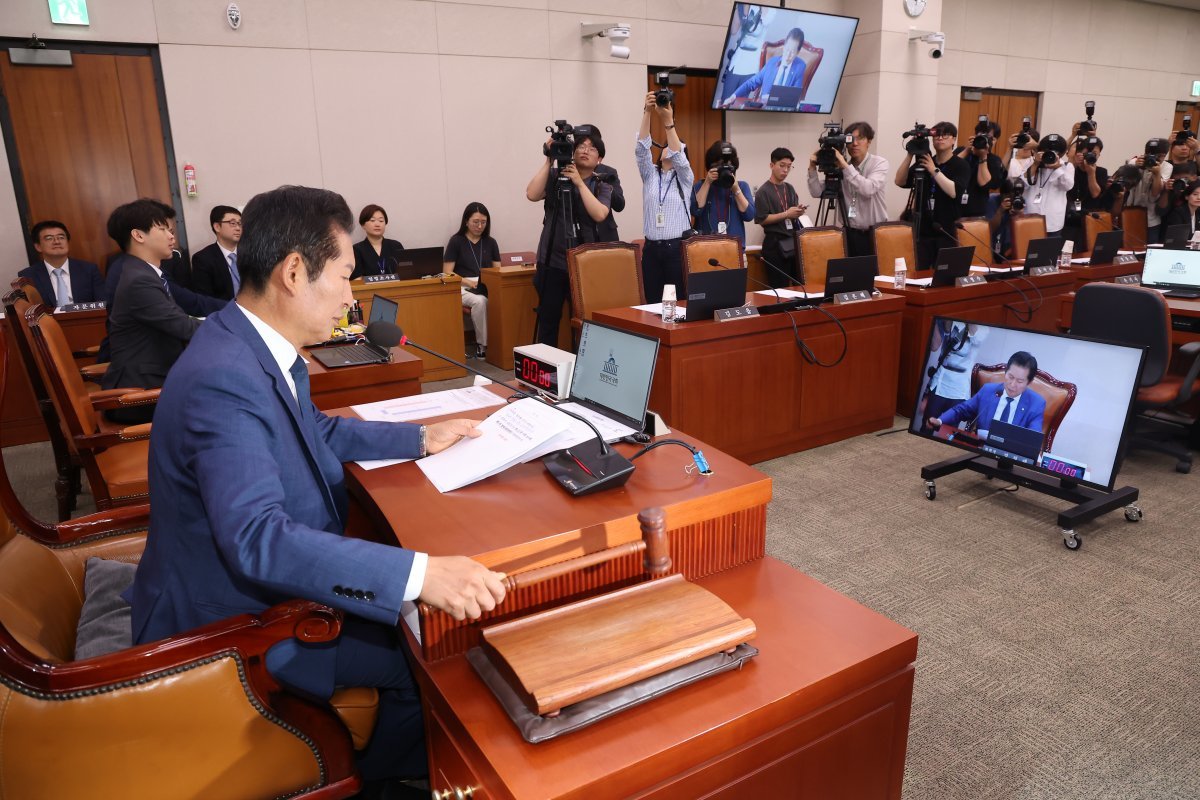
x=248 y=498
x=1011 y=401
x=786 y=69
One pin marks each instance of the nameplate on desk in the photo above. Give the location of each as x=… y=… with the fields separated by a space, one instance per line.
x=391 y=276
x=852 y=297
x=970 y=280
x=1134 y=280
x=1047 y=270
x=1125 y=258
x=737 y=312
x=99 y=304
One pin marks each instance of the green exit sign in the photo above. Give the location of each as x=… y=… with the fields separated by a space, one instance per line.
x=1195 y=88
x=68 y=12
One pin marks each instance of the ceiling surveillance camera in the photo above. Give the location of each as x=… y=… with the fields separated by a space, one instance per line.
x=616 y=34
x=935 y=52
x=935 y=38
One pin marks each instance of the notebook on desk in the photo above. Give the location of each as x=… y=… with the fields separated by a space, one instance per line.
x=952 y=263
x=614 y=369
x=1177 y=237
x=1043 y=252
x=350 y=355
x=418 y=263
x=1177 y=271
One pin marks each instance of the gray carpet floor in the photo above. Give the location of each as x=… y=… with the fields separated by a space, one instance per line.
x=1042 y=673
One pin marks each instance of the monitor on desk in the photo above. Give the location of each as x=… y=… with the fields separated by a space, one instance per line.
x=420 y=262
x=1054 y=403
x=383 y=309
x=614 y=370
x=1172 y=269
x=853 y=274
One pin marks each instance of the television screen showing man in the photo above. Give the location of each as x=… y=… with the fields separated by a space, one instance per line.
x=1010 y=401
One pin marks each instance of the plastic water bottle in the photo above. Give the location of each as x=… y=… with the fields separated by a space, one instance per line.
x=1064 y=258
x=668 y=303
x=901 y=273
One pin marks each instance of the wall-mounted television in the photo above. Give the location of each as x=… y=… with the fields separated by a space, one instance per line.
x=1055 y=403
x=781 y=59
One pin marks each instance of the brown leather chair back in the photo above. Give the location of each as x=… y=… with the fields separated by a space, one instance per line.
x=1136 y=225
x=604 y=275
x=1026 y=228
x=812 y=59
x=815 y=247
x=697 y=250
x=975 y=232
x=1059 y=395
x=1092 y=225
x=65 y=384
x=894 y=240
x=31 y=293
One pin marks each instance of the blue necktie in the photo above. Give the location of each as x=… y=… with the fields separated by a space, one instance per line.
x=233 y=273
x=299 y=372
x=62 y=294
x=1006 y=416
x=166 y=286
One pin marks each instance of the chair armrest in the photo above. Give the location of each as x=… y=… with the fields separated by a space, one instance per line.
x=113 y=522
x=127 y=398
x=100 y=441
x=1191 y=350
x=87 y=352
x=93 y=372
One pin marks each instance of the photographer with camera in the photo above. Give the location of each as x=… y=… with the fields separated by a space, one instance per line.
x=665 y=213
x=1147 y=190
x=987 y=170
x=862 y=178
x=1012 y=201
x=576 y=202
x=1090 y=192
x=607 y=230
x=1048 y=177
x=937 y=180
x=777 y=209
x=721 y=203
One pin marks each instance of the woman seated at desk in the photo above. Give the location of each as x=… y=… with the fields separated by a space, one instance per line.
x=467 y=253
x=375 y=255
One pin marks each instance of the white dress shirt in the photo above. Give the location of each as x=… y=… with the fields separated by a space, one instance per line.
x=1046 y=194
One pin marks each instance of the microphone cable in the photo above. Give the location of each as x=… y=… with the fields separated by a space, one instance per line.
x=806 y=351
x=1024 y=316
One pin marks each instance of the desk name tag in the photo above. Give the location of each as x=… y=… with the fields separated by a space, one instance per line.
x=737 y=312
x=1047 y=270
x=391 y=276
x=99 y=304
x=970 y=280
x=852 y=297
x=1126 y=258
x=1134 y=280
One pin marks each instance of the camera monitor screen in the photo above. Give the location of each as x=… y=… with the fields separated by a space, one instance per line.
x=1054 y=403
x=781 y=59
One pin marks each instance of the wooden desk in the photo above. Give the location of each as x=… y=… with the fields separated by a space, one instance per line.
x=511 y=303
x=993 y=302
x=20 y=420
x=366 y=383
x=430 y=313
x=745 y=387
x=1102 y=272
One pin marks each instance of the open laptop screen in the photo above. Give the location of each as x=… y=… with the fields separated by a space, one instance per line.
x=1171 y=268
x=383 y=310
x=613 y=372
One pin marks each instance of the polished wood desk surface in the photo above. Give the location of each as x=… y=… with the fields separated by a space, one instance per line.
x=825 y=705
x=364 y=383
x=430 y=312
x=745 y=387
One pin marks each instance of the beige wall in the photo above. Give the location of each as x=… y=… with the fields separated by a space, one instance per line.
x=423 y=106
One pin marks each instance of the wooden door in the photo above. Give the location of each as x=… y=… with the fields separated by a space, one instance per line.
x=83 y=140
x=1182 y=108
x=697 y=124
x=1003 y=107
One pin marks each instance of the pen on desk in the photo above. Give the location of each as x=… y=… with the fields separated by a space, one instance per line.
x=582 y=466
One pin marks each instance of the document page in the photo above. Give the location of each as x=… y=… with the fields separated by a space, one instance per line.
x=423 y=406
x=507 y=436
x=610 y=429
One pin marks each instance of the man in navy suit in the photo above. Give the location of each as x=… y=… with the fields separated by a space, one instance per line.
x=59 y=279
x=1011 y=401
x=247 y=494
x=214 y=268
x=786 y=69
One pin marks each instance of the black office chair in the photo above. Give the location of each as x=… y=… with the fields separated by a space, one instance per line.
x=1136 y=316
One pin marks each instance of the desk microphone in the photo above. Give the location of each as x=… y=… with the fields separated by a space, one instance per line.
x=580 y=469
x=1124 y=233
x=779 y=301
x=1023 y=316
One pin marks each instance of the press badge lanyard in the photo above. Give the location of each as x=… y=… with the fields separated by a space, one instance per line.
x=723 y=221
x=660 y=221
x=783 y=204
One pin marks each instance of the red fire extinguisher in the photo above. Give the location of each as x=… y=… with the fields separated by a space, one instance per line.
x=189 y=179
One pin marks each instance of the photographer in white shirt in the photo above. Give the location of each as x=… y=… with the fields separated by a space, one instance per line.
x=1048 y=176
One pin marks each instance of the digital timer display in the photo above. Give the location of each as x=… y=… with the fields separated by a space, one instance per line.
x=1064 y=468
x=536 y=373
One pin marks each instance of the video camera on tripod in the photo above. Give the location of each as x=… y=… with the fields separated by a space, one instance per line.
x=919 y=143
x=833 y=140
x=561 y=149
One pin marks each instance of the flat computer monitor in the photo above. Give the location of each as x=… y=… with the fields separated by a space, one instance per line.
x=383 y=310
x=854 y=274
x=1068 y=422
x=1043 y=252
x=951 y=263
x=1172 y=270
x=1108 y=244
x=714 y=289
x=1177 y=237
x=614 y=370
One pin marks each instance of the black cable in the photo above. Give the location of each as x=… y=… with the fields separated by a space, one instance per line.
x=697 y=456
x=806 y=351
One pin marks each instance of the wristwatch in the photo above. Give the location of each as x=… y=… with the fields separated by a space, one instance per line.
x=937 y=170
x=422 y=450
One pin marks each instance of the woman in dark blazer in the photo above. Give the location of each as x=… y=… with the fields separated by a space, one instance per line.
x=375 y=255
x=1186 y=212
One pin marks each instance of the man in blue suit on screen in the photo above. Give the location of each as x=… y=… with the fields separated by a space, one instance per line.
x=1011 y=401
x=247 y=494
x=786 y=69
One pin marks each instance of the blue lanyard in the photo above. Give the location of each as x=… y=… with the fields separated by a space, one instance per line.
x=662 y=196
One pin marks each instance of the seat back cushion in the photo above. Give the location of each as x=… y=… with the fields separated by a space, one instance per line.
x=105 y=621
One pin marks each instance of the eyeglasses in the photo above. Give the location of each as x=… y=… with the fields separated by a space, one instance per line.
x=586 y=147
x=233 y=223
x=54 y=237
x=943 y=136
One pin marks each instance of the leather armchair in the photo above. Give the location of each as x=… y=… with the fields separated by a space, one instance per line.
x=604 y=275
x=1059 y=395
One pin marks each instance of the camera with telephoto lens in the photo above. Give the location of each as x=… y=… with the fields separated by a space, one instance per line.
x=664 y=95
x=726 y=171
x=1052 y=148
x=562 y=143
x=831 y=141
x=1153 y=154
x=982 y=140
x=1014 y=191
x=920 y=140
x=1088 y=126
x=1088 y=147
x=1024 y=136
x=1183 y=135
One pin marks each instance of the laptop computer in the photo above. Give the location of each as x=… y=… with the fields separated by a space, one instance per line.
x=788 y=97
x=363 y=352
x=712 y=290
x=417 y=263
x=1177 y=237
x=1013 y=442
x=1178 y=271
x=1108 y=243
x=850 y=275
x=1043 y=252
x=614 y=370
x=951 y=263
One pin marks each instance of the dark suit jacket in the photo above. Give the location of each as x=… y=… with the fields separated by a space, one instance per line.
x=147 y=329
x=210 y=273
x=248 y=502
x=366 y=261
x=87 y=285
x=1180 y=215
x=606 y=231
x=1030 y=410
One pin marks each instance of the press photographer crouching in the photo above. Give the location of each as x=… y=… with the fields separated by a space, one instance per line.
x=859 y=184
x=1048 y=177
x=665 y=212
x=937 y=180
x=721 y=203
x=576 y=202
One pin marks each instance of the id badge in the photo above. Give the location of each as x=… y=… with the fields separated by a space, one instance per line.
x=964 y=200
x=931 y=201
x=1037 y=198
x=1078 y=205
x=660 y=219
x=787 y=223
x=850 y=212
x=722 y=227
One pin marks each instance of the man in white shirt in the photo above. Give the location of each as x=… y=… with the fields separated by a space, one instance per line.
x=60 y=279
x=863 y=178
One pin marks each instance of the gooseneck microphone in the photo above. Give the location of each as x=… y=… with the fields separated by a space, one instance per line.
x=712 y=262
x=1124 y=234
x=1023 y=316
x=580 y=469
